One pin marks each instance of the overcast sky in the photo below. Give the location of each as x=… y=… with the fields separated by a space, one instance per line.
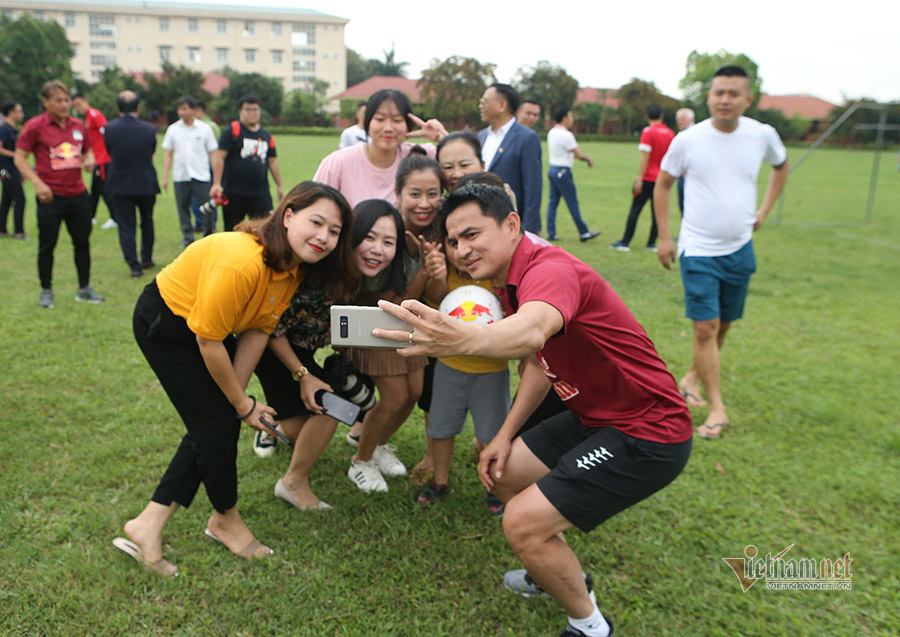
x=800 y=47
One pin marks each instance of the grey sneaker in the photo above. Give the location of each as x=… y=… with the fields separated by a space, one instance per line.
x=88 y=295
x=46 y=299
x=264 y=444
x=519 y=581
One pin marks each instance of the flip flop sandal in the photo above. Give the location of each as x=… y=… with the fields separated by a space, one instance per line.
x=161 y=566
x=719 y=427
x=697 y=399
x=248 y=552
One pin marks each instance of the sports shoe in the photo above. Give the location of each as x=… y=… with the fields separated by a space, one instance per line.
x=652 y=248
x=366 y=476
x=352 y=440
x=148 y=264
x=495 y=506
x=137 y=273
x=621 y=247
x=432 y=492
x=88 y=295
x=46 y=299
x=519 y=581
x=587 y=236
x=553 y=237
x=264 y=444
x=109 y=225
x=571 y=631
x=387 y=462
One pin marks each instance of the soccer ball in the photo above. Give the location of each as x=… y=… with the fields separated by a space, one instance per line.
x=472 y=304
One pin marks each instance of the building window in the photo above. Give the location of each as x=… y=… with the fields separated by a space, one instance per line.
x=102 y=44
x=38 y=15
x=304 y=65
x=276 y=29
x=304 y=52
x=249 y=27
x=250 y=56
x=221 y=26
x=304 y=79
x=6 y=13
x=103 y=60
x=193 y=27
x=102 y=24
x=303 y=34
x=276 y=56
x=194 y=54
x=165 y=53
x=222 y=56
x=69 y=20
x=164 y=24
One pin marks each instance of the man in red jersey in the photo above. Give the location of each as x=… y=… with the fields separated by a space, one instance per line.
x=61 y=151
x=655 y=140
x=626 y=432
x=95 y=122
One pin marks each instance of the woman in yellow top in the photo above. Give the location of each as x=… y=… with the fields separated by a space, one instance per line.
x=232 y=283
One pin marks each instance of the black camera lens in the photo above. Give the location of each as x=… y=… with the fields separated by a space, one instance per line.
x=345 y=327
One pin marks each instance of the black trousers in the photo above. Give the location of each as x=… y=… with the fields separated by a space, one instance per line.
x=76 y=212
x=126 y=218
x=637 y=204
x=239 y=207
x=98 y=189
x=13 y=196
x=208 y=451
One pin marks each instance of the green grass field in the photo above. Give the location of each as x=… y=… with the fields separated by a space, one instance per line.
x=811 y=456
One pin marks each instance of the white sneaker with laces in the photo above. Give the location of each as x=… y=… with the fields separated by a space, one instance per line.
x=366 y=476
x=387 y=462
x=264 y=444
x=109 y=225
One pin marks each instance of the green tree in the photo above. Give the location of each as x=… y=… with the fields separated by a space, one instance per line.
x=699 y=71
x=358 y=68
x=173 y=82
x=390 y=66
x=635 y=97
x=547 y=84
x=103 y=94
x=452 y=87
x=268 y=90
x=32 y=52
x=306 y=108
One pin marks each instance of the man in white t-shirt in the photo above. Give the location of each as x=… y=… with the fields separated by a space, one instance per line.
x=562 y=150
x=190 y=147
x=720 y=158
x=357 y=133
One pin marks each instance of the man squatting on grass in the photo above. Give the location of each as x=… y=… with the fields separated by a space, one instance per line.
x=627 y=431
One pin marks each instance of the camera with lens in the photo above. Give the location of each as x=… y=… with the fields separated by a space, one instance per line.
x=209 y=207
x=350 y=383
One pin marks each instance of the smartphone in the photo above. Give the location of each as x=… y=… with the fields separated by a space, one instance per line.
x=276 y=433
x=352 y=325
x=337 y=407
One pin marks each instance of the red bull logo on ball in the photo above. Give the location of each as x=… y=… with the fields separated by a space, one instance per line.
x=65 y=156
x=469 y=311
x=472 y=304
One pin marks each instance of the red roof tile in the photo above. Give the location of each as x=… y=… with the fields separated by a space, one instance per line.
x=590 y=94
x=364 y=89
x=803 y=105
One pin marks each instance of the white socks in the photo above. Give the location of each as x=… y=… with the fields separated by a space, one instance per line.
x=594 y=625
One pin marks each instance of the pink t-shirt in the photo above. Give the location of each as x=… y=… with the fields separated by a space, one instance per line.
x=350 y=171
x=602 y=363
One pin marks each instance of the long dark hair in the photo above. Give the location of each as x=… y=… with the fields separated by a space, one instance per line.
x=415 y=162
x=365 y=215
x=335 y=272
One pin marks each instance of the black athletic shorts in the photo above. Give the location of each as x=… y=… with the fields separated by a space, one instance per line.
x=424 y=401
x=596 y=473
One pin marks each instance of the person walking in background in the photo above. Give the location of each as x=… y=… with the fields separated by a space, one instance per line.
x=684 y=119
x=190 y=150
x=94 y=121
x=131 y=179
x=655 y=140
x=61 y=150
x=562 y=150
x=11 y=178
x=247 y=154
x=528 y=113
x=356 y=133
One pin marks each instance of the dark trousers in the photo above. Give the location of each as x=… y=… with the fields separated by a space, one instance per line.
x=637 y=204
x=13 y=195
x=208 y=452
x=562 y=185
x=239 y=207
x=127 y=219
x=76 y=212
x=183 y=191
x=98 y=189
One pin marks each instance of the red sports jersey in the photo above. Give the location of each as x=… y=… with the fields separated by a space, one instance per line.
x=602 y=363
x=655 y=140
x=94 y=122
x=57 y=152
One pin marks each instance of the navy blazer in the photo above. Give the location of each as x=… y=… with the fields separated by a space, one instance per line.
x=518 y=163
x=131 y=143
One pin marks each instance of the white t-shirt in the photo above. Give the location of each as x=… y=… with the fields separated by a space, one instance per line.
x=353 y=135
x=561 y=145
x=190 y=146
x=720 y=186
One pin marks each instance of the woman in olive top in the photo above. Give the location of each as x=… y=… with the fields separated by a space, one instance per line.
x=231 y=283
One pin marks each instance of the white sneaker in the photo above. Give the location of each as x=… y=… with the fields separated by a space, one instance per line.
x=389 y=464
x=109 y=225
x=366 y=476
x=264 y=444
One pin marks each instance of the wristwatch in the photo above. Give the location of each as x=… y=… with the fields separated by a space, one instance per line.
x=300 y=373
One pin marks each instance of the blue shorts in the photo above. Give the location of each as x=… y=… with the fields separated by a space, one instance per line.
x=716 y=287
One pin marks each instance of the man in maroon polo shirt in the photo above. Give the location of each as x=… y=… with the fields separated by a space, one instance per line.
x=61 y=151
x=627 y=431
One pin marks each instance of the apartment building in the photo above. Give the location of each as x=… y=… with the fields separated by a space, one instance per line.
x=298 y=46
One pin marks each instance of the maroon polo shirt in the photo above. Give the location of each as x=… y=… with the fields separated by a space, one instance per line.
x=601 y=363
x=57 y=152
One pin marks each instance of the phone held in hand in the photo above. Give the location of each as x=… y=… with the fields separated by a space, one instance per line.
x=338 y=408
x=352 y=325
